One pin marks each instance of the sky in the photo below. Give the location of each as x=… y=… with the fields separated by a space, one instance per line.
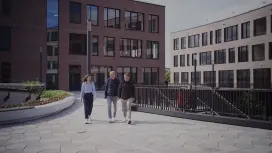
x=184 y=14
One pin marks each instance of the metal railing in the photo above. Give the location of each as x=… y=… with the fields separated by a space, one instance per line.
x=242 y=103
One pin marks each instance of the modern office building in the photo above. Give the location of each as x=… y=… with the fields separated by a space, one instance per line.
x=234 y=53
x=47 y=39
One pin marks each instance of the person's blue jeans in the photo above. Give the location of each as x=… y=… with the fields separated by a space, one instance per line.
x=112 y=100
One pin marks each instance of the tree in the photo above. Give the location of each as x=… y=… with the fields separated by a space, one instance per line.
x=167 y=76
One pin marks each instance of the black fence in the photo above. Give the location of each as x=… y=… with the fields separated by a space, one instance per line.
x=241 y=103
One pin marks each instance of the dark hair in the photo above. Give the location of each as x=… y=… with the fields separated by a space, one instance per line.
x=127 y=74
x=85 y=77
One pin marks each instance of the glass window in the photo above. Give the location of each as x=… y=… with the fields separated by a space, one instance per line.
x=5 y=72
x=209 y=78
x=193 y=41
x=182 y=60
x=95 y=45
x=205 y=58
x=243 y=54
x=188 y=59
x=218 y=36
x=231 y=33
x=211 y=37
x=231 y=55
x=183 y=42
x=226 y=78
x=184 y=77
x=5 y=38
x=130 y=48
x=262 y=78
x=258 y=52
x=49 y=50
x=194 y=60
x=112 y=17
x=6 y=7
x=220 y=56
x=134 y=21
x=77 y=44
x=176 y=77
x=270 y=50
x=260 y=26
x=196 y=78
x=153 y=25
x=245 y=30
x=175 y=61
x=152 y=50
x=109 y=46
x=205 y=39
x=75 y=12
x=92 y=14
x=150 y=75
x=243 y=78
x=176 y=44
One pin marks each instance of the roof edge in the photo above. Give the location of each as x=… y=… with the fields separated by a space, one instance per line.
x=222 y=19
x=149 y=3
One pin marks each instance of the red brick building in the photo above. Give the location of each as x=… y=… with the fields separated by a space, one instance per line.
x=127 y=36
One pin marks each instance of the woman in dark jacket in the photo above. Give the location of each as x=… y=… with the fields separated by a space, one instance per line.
x=126 y=92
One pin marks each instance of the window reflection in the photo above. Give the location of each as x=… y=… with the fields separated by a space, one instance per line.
x=153 y=21
x=92 y=14
x=134 y=21
x=111 y=17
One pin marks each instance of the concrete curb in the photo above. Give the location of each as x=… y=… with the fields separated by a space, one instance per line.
x=23 y=115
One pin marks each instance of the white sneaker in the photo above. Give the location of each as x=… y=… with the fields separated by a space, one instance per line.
x=87 y=121
x=113 y=119
x=125 y=119
x=110 y=120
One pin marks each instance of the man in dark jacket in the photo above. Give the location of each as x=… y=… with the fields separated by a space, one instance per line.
x=126 y=92
x=111 y=91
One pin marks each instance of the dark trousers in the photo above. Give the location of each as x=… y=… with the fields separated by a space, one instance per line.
x=88 y=104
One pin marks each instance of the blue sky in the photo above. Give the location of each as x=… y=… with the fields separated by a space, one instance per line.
x=193 y=13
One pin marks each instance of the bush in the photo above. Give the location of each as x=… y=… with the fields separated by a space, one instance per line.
x=47 y=97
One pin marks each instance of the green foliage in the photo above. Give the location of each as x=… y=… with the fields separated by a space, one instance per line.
x=47 y=97
x=167 y=76
x=29 y=83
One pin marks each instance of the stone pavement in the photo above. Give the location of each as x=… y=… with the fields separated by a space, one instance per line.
x=149 y=133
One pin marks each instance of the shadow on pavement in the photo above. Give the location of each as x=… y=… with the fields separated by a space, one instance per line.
x=159 y=122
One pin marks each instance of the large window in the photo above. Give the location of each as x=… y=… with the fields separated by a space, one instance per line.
x=270 y=50
x=205 y=58
x=188 y=59
x=130 y=48
x=258 y=52
x=77 y=44
x=6 y=7
x=75 y=12
x=176 y=77
x=112 y=17
x=231 y=33
x=193 y=41
x=243 y=78
x=243 y=54
x=245 y=30
x=152 y=51
x=260 y=26
x=176 y=44
x=153 y=23
x=184 y=77
x=131 y=70
x=211 y=37
x=218 y=36
x=95 y=45
x=134 y=21
x=231 y=55
x=262 y=78
x=150 y=76
x=209 y=78
x=109 y=46
x=52 y=65
x=52 y=81
x=205 y=39
x=226 y=78
x=196 y=78
x=194 y=60
x=182 y=60
x=5 y=38
x=175 y=61
x=183 y=42
x=5 y=72
x=220 y=56
x=92 y=14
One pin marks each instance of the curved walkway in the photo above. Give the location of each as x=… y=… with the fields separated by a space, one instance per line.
x=67 y=133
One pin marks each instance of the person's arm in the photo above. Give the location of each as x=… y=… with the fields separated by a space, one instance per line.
x=133 y=90
x=119 y=90
x=94 y=90
x=106 y=88
x=82 y=91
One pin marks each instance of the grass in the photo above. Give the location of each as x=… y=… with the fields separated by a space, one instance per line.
x=48 y=96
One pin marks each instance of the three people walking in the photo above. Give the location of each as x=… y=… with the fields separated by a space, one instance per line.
x=88 y=94
x=114 y=90
x=111 y=91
